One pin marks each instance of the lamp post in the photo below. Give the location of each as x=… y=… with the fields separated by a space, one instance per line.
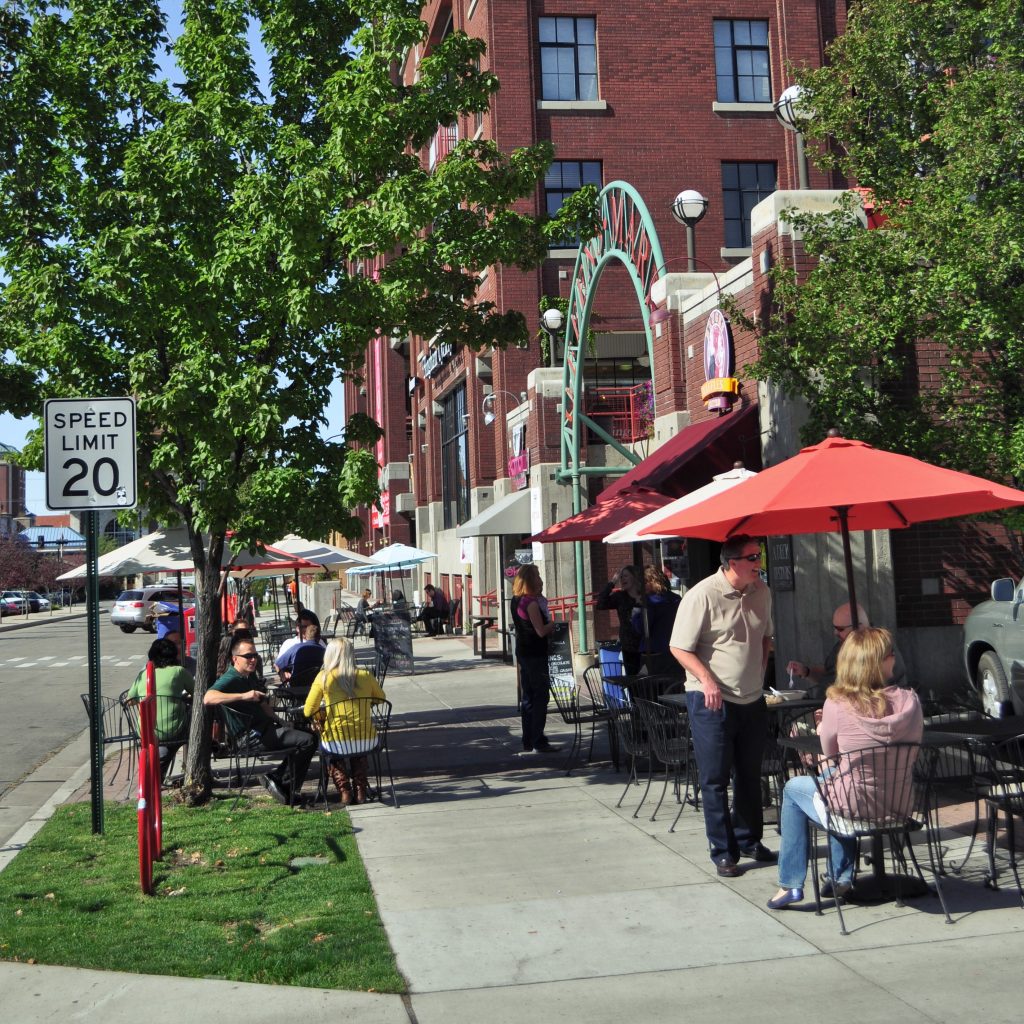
x=689 y=208
x=552 y=320
x=489 y=414
x=791 y=111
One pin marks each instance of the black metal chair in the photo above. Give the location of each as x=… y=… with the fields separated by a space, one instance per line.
x=1001 y=777
x=169 y=711
x=117 y=730
x=668 y=731
x=245 y=752
x=358 y=727
x=877 y=793
x=632 y=738
x=779 y=762
x=594 y=685
x=577 y=710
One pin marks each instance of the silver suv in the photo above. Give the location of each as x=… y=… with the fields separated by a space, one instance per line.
x=133 y=609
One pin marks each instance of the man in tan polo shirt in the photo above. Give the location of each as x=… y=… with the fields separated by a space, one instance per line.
x=721 y=638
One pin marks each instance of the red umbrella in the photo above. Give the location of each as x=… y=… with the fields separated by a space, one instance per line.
x=604 y=517
x=837 y=486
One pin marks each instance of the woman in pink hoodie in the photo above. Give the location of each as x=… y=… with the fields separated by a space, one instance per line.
x=861 y=710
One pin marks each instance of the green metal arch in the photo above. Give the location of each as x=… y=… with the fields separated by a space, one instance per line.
x=627 y=235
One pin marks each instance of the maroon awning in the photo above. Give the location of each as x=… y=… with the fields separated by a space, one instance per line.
x=695 y=455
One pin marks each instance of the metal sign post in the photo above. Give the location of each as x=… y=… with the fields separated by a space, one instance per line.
x=92 y=618
x=90 y=465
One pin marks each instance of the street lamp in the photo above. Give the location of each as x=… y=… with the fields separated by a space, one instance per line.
x=552 y=320
x=689 y=208
x=489 y=414
x=791 y=110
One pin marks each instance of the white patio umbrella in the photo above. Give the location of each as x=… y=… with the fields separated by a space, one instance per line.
x=324 y=554
x=722 y=482
x=169 y=551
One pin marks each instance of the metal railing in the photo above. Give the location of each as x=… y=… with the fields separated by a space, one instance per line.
x=624 y=412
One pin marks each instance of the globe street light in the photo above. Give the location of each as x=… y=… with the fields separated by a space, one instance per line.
x=689 y=208
x=791 y=110
x=552 y=320
x=489 y=414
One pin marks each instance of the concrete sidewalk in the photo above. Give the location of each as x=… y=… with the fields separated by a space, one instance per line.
x=513 y=892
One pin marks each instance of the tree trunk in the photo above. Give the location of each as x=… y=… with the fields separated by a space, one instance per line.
x=198 y=780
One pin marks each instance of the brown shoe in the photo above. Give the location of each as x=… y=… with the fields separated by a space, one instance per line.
x=336 y=770
x=727 y=867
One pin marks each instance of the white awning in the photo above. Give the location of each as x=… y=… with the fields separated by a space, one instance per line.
x=507 y=516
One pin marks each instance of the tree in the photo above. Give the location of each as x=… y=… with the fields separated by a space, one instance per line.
x=203 y=247
x=912 y=335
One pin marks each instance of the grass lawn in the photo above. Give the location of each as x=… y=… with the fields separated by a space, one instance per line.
x=228 y=902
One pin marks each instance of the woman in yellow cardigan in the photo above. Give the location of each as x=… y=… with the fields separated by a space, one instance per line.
x=347 y=730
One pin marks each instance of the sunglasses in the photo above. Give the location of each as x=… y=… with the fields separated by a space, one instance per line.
x=248 y=657
x=746 y=558
x=842 y=629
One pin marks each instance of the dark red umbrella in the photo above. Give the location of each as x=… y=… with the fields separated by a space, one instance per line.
x=838 y=486
x=605 y=516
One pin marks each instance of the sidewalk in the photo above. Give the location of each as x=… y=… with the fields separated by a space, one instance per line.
x=513 y=892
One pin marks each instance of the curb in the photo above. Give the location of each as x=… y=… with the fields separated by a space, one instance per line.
x=25 y=622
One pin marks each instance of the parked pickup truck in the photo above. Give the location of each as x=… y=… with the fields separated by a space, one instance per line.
x=994 y=649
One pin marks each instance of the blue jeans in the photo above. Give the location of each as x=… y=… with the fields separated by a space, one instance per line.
x=794 y=852
x=729 y=744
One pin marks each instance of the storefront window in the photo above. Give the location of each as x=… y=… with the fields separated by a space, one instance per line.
x=455 y=459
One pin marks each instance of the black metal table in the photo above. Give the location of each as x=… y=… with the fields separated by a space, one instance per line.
x=480 y=626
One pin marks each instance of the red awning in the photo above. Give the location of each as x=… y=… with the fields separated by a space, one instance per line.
x=695 y=455
x=596 y=522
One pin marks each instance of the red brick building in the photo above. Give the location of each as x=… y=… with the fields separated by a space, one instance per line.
x=666 y=95
x=12 y=492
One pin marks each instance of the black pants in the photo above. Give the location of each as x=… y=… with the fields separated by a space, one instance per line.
x=284 y=737
x=535 y=684
x=433 y=621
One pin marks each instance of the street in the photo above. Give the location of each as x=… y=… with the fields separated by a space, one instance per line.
x=43 y=669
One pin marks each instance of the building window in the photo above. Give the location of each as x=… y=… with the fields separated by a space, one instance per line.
x=744 y=185
x=568 y=58
x=454 y=459
x=562 y=179
x=741 y=62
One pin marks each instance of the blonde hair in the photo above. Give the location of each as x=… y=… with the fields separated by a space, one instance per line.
x=340 y=660
x=527 y=581
x=860 y=674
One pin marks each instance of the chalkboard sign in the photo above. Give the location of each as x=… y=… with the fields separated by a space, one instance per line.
x=560 y=659
x=392 y=637
x=780 y=563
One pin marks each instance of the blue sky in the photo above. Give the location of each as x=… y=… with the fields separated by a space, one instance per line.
x=14 y=431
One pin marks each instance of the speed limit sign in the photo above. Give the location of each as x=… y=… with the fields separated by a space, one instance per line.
x=90 y=453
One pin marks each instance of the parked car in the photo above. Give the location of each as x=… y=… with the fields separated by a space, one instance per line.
x=12 y=602
x=994 y=649
x=36 y=602
x=133 y=609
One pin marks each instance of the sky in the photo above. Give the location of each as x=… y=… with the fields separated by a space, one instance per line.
x=14 y=431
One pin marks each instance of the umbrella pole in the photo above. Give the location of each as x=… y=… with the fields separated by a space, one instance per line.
x=843 y=512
